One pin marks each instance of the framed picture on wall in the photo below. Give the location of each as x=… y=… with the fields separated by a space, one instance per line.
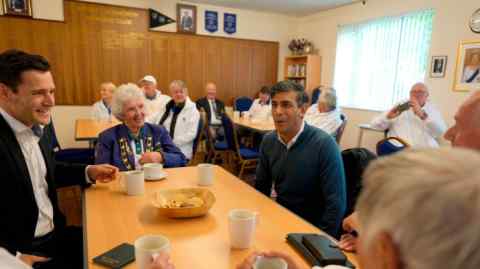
x=186 y=19
x=467 y=71
x=18 y=7
x=438 y=66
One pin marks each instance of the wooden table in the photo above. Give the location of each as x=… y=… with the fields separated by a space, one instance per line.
x=262 y=126
x=111 y=218
x=89 y=129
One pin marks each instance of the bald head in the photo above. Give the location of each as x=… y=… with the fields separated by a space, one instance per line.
x=466 y=131
x=211 y=90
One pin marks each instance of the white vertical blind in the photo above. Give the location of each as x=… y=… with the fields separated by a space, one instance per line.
x=377 y=62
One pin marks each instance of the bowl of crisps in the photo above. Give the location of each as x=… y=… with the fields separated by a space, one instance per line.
x=184 y=202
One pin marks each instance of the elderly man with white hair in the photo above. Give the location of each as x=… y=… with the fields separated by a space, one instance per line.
x=102 y=109
x=324 y=114
x=180 y=117
x=417 y=121
x=133 y=143
x=155 y=101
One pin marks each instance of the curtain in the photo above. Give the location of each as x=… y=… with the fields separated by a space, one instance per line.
x=377 y=62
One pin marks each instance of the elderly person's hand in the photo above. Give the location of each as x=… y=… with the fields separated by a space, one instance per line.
x=393 y=113
x=250 y=260
x=151 y=157
x=162 y=261
x=102 y=172
x=348 y=242
x=417 y=109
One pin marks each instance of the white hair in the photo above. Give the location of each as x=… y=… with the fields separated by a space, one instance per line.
x=180 y=84
x=108 y=85
x=122 y=94
x=328 y=96
x=429 y=202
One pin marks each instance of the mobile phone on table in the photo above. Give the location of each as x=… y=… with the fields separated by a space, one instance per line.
x=402 y=107
x=117 y=257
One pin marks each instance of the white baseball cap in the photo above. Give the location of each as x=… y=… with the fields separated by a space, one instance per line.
x=149 y=78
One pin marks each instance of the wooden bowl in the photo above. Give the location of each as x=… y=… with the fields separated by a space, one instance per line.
x=180 y=199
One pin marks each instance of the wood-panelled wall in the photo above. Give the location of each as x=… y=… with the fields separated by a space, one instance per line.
x=99 y=43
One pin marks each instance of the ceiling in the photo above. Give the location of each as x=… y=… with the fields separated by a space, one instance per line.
x=289 y=7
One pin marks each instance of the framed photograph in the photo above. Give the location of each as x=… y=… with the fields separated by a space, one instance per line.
x=439 y=65
x=186 y=19
x=467 y=71
x=18 y=7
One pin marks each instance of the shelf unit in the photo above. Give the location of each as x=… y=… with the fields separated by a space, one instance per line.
x=304 y=69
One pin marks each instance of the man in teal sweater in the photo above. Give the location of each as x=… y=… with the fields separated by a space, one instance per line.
x=302 y=161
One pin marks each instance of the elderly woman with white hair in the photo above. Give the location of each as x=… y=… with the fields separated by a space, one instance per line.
x=180 y=117
x=133 y=143
x=324 y=114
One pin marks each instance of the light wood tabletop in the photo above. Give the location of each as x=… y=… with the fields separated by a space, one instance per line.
x=89 y=129
x=262 y=126
x=111 y=218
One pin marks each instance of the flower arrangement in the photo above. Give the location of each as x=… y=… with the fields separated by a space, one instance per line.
x=300 y=46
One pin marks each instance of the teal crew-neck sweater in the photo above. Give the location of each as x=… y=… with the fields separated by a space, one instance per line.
x=309 y=177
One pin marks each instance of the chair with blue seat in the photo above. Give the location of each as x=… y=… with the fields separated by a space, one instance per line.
x=70 y=155
x=391 y=145
x=242 y=103
x=246 y=157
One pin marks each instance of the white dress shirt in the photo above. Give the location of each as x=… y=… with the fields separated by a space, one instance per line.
x=327 y=121
x=294 y=139
x=157 y=104
x=259 y=111
x=100 y=111
x=36 y=169
x=213 y=117
x=415 y=131
x=9 y=261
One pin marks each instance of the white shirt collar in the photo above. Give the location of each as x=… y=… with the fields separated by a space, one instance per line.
x=294 y=139
x=16 y=125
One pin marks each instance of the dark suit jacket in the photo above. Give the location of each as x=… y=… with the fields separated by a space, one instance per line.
x=19 y=210
x=202 y=103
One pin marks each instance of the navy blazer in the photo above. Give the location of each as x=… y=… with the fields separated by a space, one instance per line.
x=18 y=207
x=114 y=148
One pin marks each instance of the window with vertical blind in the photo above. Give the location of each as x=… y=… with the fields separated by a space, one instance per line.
x=378 y=61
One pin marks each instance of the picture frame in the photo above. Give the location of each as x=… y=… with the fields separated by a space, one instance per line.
x=467 y=70
x=186 y=19
x=21 y=8
x=438 y=66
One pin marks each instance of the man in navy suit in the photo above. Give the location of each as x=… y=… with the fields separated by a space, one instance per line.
x=32 y=226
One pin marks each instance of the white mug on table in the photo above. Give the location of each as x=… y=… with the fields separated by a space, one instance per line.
x=205 y=174
x=132 y=182
x=148 y=247
x=242 y=224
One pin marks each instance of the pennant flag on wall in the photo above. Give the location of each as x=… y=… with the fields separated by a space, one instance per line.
x=158 y=19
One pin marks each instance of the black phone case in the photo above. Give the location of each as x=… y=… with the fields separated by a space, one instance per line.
x=324 y=249
x=296 y=240
x=117 y=257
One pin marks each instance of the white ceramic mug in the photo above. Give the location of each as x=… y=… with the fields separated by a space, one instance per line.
x=269 y=263
x=242 y=224
x=205 y=174
x=148 y=247
x=134 y=182
x=153 y=170
x=236 y=115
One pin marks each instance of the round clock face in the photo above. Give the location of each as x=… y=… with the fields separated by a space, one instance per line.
x=475 y=21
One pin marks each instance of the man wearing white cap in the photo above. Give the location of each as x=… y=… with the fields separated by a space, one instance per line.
x=155 y=101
